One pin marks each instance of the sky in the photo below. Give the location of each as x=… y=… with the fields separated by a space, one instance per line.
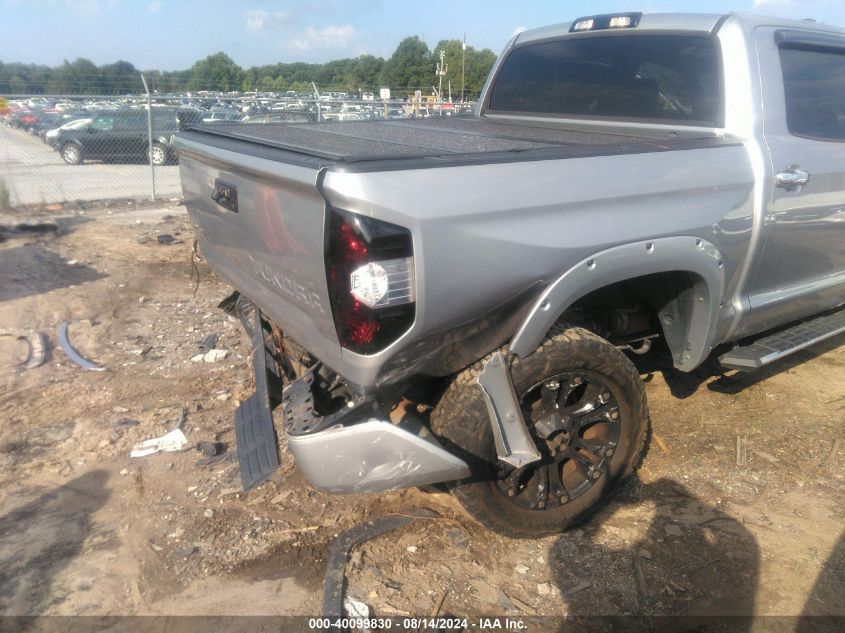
x=173 y=34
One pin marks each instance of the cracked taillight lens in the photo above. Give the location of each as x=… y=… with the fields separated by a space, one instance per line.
x=370 y=273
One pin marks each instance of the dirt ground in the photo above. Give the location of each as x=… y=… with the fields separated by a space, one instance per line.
x=85 y=529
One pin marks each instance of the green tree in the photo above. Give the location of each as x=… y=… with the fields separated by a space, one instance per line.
x=250 y=81
x=410 y=67
x=477 y=66
x=364 y=74
x=119 y=78
x=18 y=78
x=215 y=72
x=78 y=77
x=154 y=80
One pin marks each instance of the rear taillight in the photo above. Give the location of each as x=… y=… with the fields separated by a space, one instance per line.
x=370 y=273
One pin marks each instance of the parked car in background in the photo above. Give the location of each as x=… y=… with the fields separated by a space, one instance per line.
x=221 y=115
x=122 y=135
x=287 y=116
x=22 y=119
x=343 y=116
x=53 y=120
x=54 y=137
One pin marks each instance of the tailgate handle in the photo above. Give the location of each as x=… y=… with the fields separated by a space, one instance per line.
x=225 y=195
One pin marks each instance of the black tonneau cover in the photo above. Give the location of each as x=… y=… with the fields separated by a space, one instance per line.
x=424 y=143
x=353 y=141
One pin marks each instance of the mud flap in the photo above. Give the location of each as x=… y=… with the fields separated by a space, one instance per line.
x=258 y=446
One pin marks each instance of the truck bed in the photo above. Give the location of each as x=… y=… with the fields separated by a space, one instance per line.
x=463 y=139
x=495 y=209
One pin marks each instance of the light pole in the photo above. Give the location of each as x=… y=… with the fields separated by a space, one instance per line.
x=442 y=69
x=463 y=65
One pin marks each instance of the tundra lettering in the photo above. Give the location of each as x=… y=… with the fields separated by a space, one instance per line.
x=291 y=288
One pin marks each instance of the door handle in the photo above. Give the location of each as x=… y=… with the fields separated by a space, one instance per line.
x=792 y=177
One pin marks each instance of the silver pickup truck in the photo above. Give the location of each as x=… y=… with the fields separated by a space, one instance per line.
x=453 y=300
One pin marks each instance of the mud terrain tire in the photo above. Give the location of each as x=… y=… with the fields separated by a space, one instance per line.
x=461 y=420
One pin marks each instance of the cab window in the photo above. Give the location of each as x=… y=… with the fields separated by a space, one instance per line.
x=103 y=123
x=131 y=122
x=814 y=90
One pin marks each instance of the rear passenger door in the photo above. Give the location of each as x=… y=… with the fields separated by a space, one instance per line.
x=801 y=269
x=98 y=139
x=130 y=134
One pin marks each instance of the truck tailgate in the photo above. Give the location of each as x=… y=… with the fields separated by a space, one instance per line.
x=260 y=226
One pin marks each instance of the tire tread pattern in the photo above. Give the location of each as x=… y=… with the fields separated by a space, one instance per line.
x=461 y=418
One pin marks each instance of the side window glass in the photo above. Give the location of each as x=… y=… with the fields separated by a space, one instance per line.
x=814 y=89
x=131 y=123
x=105 y=124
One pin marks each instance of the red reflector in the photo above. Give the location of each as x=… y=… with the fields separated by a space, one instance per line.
x=364 y=333
x=355 y=249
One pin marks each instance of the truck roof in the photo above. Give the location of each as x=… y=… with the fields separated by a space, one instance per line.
x=705 y=22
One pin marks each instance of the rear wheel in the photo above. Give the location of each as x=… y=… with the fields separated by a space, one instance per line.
x=72 y=154
x=158 y=154
x=585 y=407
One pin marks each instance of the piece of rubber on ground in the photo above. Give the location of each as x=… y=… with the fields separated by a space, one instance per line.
x=342 y=546
x=36 y=342
x=76 y=357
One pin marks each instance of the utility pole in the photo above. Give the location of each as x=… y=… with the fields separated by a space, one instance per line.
x=463 y=66
x=442 y=69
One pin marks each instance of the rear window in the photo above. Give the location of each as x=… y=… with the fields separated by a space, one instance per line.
x=814 y=88
x=661 y=78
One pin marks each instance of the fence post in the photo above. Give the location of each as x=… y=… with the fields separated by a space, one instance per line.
x=319 y=103
x=150 y=138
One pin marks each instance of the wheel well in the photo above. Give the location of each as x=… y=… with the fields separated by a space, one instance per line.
x=629 y=310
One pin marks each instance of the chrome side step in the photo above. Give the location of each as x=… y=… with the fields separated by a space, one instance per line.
x=774 y=347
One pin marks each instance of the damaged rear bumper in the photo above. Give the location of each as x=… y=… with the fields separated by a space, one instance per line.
x=356 y=451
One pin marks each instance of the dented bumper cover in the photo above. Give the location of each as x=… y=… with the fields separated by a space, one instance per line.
x=356 y=451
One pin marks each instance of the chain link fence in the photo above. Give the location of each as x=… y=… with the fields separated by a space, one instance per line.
x=58 y=149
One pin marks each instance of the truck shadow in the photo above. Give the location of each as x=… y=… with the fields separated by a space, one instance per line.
x=32 y=270
x=824 y=610
x=41 y=537
x=693 y=561
x=718 y=379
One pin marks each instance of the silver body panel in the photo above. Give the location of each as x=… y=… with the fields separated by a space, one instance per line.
x=503 y=236
x=271 y=249
x=372 y=456
x=514 y=444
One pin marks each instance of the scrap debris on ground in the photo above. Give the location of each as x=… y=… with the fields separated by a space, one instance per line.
x=86 y=529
